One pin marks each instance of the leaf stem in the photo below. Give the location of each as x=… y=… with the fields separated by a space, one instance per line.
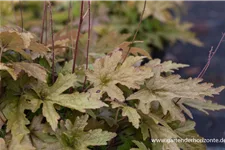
x=46 y=26
x=88 y=41
x=21 y=14
x=138 y=28
x=43 y=21
x=117 y=114
x=69 y=16
x=211 y=54
x=1 y=51
x=78 y=36
x=53 y=50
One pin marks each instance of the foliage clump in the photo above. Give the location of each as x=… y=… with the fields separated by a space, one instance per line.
x=121 y=106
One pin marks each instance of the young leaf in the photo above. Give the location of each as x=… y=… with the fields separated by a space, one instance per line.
x=130 y=112
x=73 y=137
x=62 y=83
x=107 y=73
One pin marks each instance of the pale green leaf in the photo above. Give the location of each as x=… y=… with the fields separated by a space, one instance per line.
x=130 y=112
x=187 y=131
x=80 y=123
x=165 y=89
x=95 y=137
x=72 y=137
x=78 y=101
x=163 y=133
x=50 y=113
x=63 y=83
x=17 y=121
x=107 y=72
x=41 y=135
x=201 y=105
x=167 y=66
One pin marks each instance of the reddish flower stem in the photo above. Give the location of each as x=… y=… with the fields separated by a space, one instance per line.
x=52 y=38
x=43 y=21
x=211 y=54
x=21 y=14
x=88 y=41
x=78 y=36
x=138 y=28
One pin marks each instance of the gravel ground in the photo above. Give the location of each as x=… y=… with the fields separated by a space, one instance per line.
x=209 y=20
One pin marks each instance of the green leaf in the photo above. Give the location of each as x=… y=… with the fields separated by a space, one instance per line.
x=80 y=123
x=63 y=83
x=73 y=137
x=130 y=112
x=41 y=134
x=78 y=101
x=50 y=113
x=187 y=131
x=94 y=138
x=148 y=120
x=17 y=122
x=162 y=133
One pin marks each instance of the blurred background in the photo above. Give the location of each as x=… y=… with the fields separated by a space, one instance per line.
x=179 y=31
x=209 y=23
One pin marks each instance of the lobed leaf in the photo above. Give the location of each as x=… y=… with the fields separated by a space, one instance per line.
x=107 y=72
x=130 y=112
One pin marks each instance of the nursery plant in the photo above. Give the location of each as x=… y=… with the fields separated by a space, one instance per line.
x=110 y=101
